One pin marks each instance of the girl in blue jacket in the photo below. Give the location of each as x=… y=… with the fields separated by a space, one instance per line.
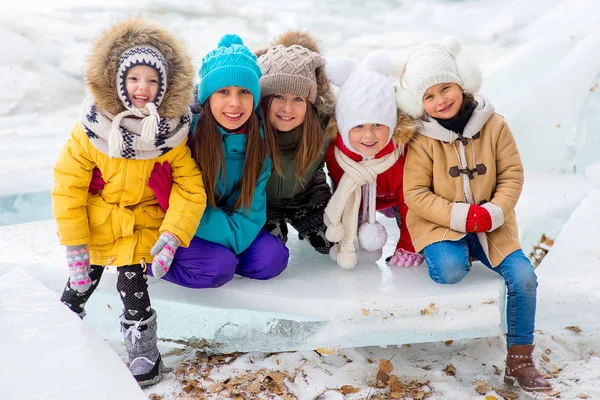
x=229 y=147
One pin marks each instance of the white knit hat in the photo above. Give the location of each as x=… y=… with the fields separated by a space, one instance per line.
x=366 y=94
x=430 y=64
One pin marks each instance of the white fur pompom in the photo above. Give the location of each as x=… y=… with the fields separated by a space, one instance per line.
x=340 y=69
x=379 y=61
x=407 y=103
x=372 y=237
x=334 y=233
x=469 y=73
x=453 y=44
x=346 y=260
x=369 y=257
x=398 y=64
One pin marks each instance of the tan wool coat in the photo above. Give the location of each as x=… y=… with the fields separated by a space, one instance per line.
x=438 y=203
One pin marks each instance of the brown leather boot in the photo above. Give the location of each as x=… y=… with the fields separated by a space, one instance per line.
x=521 y=370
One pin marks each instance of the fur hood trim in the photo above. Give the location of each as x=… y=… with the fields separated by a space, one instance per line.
x=101 y=68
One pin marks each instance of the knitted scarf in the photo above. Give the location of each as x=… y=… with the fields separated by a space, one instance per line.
x=341 y=213
x=133 y=134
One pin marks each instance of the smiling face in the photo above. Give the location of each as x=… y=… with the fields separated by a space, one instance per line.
x=443 y=101
x=141 y=83
x=231 y=106
x=369 y=139
x=287 y=111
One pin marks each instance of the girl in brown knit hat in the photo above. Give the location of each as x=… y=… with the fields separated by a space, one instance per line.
x=297 y=104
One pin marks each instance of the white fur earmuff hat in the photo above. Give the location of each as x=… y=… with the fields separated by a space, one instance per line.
x=432 y=63
x=366 y=94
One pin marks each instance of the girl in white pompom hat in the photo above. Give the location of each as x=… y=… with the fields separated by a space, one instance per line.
x=462 y=180
x=366 y=162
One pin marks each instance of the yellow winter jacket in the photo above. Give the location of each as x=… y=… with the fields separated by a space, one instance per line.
x=122 y=222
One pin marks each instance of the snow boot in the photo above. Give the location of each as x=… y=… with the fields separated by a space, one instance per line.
x=145 y=362
x=521 y=370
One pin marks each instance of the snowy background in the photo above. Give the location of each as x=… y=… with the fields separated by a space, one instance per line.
x=541 y=63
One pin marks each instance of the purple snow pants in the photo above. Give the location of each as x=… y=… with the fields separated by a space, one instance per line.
x=209 y=265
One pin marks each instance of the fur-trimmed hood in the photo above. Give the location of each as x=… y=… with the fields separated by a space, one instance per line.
x=325 y=102
x=101 y=68
x=405 y=130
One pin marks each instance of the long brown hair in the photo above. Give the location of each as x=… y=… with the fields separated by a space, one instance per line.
x=468 y=100
x=208 y=153
x=311 y=142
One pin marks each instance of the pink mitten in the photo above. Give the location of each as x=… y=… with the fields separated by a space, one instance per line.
x=163 y=252
x=161 y=181
x=405 y=258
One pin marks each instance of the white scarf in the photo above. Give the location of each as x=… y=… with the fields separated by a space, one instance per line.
x=341 y=213
x=134 y=134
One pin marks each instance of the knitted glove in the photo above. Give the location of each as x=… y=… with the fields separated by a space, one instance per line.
x=405 y=258
x=78 y=258
x=97 y=183
x=161 y=181
x=478 y=219
x=163 y=252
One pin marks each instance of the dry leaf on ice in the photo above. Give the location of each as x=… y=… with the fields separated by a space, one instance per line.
x=450 y=370
x=574 y=328
x=481 y=387
x=347 y=389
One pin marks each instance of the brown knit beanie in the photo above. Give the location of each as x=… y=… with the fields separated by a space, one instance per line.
x=290 y=70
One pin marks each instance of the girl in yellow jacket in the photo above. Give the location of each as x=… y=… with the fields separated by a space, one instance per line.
x=462 y=179
x=141 y=82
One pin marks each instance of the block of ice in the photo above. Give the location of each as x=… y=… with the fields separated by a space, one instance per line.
x=313 y=303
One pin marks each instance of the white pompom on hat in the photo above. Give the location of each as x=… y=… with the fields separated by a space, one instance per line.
x=366 y=94
x=430 y=64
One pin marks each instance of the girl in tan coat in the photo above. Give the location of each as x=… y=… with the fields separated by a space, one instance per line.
x=463 y=177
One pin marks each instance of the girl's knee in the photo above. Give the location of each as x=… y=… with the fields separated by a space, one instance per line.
x=266 y=264
x=273 y=263
x=449 y=274
x=445 y=265
x=525 y=281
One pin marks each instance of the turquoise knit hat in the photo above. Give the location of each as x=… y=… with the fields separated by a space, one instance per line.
x=230 y=64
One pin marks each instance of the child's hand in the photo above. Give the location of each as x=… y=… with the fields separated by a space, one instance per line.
x=478 y=219
x=405 y=258
x=161 y=181
x=163 y=252
x=78 y=258
x=97 y=183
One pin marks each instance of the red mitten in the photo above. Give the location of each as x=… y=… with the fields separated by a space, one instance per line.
x=470 y=227
x=97 y=183
x=484 y=219
x=160 y=182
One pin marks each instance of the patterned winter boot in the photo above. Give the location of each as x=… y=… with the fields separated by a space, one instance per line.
x=145 y=362
x=521 y=370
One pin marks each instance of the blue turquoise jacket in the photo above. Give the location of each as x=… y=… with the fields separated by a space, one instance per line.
x=235 y=230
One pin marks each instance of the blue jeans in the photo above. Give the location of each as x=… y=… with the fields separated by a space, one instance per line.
x=449 y=262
